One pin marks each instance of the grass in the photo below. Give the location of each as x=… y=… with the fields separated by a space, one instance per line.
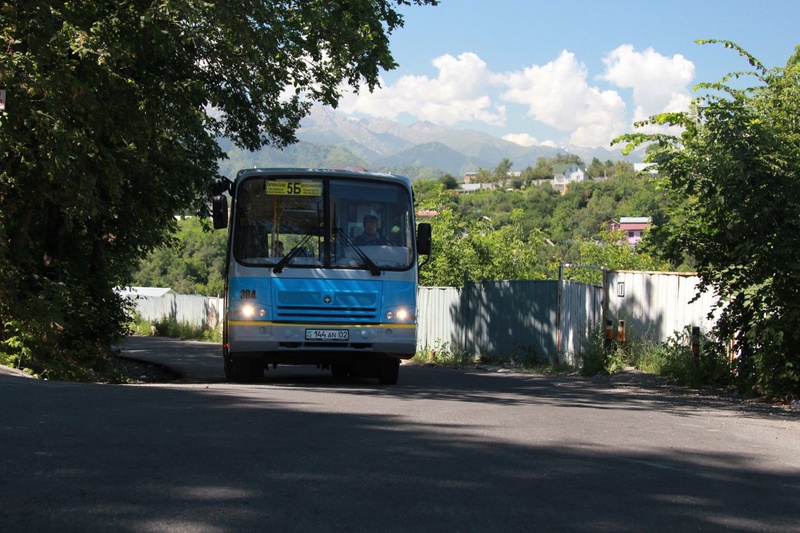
x=673 y=359
x=169 y=327
x=525 y=360
x=442 y=354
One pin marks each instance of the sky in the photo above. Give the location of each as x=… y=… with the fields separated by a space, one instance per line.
x=568 y=72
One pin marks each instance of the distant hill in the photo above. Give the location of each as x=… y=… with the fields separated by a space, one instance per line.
x=421 y=150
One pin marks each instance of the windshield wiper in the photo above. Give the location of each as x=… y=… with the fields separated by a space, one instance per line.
x=294 y=252
x=370 y=264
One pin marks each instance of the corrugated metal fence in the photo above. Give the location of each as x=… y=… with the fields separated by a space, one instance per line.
x=543 y=320
x=547 y=320
x=191 y=309
x=654 y=305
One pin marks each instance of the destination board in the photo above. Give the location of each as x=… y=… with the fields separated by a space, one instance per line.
x=294 y=188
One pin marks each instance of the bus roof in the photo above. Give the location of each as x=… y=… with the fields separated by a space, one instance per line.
x=321 y=172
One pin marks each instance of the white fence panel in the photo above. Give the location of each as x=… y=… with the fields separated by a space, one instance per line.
x=654 y=305
x=580 y=316
x=191 y=309
x=437 y=319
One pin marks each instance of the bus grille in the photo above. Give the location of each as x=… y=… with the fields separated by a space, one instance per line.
x=330 y=307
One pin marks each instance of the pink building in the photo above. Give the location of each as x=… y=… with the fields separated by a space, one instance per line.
x=632 y=226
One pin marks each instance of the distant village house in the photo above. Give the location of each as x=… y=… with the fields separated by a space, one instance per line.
x=566 y=173
x=632 y=226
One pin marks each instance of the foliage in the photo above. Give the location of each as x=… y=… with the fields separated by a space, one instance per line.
x=672 y=359
x=477 y=250
x=192 y=263
x=169 y=327
x=140 y=326
x=608 y=169
x=611 y=249
x=52 y=334
x=594 y=355
x=442 y=354
x=737 y=165
x=543 y=170
x=525 y=234
x=186 y=331
x=675 y=360
x=88 y=189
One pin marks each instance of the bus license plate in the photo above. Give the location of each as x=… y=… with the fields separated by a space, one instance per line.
x=327 y=334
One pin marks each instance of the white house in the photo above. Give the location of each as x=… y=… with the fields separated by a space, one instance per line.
x=566 y=173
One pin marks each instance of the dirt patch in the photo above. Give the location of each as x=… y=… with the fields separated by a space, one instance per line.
x=8 y=371
x=136 y=371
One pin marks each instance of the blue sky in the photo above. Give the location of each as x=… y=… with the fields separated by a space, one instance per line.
x=568 y=72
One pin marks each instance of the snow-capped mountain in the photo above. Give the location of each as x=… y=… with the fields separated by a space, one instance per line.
x=330 y=139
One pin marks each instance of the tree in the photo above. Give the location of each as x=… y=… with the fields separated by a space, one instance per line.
x=597 y=169
x=567 y=159
x=502 y=170
x=193 y=264
x=611 y=250
x=477 y=249
x=449 y=182
x=737 y=167
x=483 y=176
x=542 y=170
x=113 y=115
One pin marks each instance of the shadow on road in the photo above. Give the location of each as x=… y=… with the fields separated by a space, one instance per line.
x=200 y=362
x=445 y=450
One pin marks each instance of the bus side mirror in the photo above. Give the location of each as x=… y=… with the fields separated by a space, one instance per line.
x=219 y=211
x=424 y=238
x=220 y=186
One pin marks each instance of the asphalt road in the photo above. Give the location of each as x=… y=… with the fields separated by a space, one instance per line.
x=444 y=450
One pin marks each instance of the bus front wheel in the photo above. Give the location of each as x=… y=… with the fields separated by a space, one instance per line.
x=245 y=369
x=340 y=370
x=388 y=371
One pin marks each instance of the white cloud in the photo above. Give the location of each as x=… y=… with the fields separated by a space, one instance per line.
x=458 y=93
x=660 y=83
x=558 y=95
x=522 y=139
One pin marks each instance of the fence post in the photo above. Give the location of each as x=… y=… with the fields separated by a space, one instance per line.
x=466 y=313
x=695 y=341
x=559 y=308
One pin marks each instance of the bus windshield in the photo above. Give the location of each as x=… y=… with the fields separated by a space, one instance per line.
x=326 y=222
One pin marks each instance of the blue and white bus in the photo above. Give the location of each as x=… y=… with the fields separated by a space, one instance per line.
x=321 y=269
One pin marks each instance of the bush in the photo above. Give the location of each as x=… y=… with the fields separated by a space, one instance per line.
x=673 y=359
x=597 y=358
x=38 y=335
x=594 y=358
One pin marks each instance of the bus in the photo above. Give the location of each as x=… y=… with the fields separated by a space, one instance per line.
x=322 y=269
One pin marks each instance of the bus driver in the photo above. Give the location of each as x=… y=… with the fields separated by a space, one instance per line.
x=371 y=236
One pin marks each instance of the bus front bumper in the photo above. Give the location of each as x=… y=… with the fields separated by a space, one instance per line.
x=328 y=341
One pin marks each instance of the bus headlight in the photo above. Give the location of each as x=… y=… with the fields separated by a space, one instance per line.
x=249 y=311
x=401 y=315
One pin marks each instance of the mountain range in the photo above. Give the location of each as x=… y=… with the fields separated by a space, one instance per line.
x=328 y=139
